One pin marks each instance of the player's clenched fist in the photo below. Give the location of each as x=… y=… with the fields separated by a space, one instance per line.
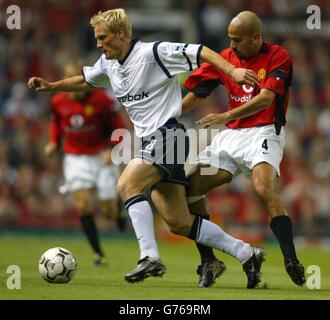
x=39 y=84
x=245 y=76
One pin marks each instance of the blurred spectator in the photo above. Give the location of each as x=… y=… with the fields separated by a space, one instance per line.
x=20 y=103
x=214 y=17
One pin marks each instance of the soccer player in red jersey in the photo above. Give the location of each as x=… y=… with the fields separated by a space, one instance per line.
x=85 y=122
x=254 y=139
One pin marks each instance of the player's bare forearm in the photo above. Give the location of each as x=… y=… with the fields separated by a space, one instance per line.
x=262 y=101
x=239 y=75
x=190 y=101
x=76 y=83
x=217 y=61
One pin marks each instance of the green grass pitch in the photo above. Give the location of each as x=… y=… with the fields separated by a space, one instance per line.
x=179 y=283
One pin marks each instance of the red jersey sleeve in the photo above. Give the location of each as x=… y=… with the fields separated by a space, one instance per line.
x=279 y=76
x=54 y=129
x=204 y=80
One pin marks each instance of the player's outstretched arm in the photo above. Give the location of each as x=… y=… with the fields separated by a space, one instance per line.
x=239 y=75
x=76 y=83
x=261 y=101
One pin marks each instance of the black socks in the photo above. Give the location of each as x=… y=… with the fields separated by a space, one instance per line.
x=282 y=228
x=90 y=231
x=206 y=253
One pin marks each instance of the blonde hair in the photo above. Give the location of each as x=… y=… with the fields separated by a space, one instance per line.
x=114 y=19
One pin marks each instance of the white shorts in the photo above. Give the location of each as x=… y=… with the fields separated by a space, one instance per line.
x=239 y=150
x=88 y=172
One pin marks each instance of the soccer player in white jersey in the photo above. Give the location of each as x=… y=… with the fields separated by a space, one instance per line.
x=143 y=78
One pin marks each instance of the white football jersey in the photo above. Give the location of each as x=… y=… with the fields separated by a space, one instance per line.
x=145 y=83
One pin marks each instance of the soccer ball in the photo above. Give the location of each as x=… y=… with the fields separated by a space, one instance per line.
x=57 y=265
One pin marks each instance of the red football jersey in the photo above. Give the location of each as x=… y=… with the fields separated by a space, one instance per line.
x=273 y=66
x=85 y=125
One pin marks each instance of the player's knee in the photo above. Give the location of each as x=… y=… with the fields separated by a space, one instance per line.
x=109 y=209
x=263 y=191
x=83 y=201
x=198 y=207
x=127 y=189
x=84 y=207
x=180 y=230
x=179 y=227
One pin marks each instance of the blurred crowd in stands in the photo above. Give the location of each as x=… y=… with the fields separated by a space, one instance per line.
x=54 y=31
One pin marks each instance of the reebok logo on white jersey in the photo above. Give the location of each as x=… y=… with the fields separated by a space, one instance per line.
x=243 y=99
x=136 y=97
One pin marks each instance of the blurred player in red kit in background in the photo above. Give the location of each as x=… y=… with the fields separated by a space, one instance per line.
x=85 y=121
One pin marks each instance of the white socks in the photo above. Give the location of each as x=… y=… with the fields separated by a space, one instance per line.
x=143 y=223
x=208 y=233
x=212 y=235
